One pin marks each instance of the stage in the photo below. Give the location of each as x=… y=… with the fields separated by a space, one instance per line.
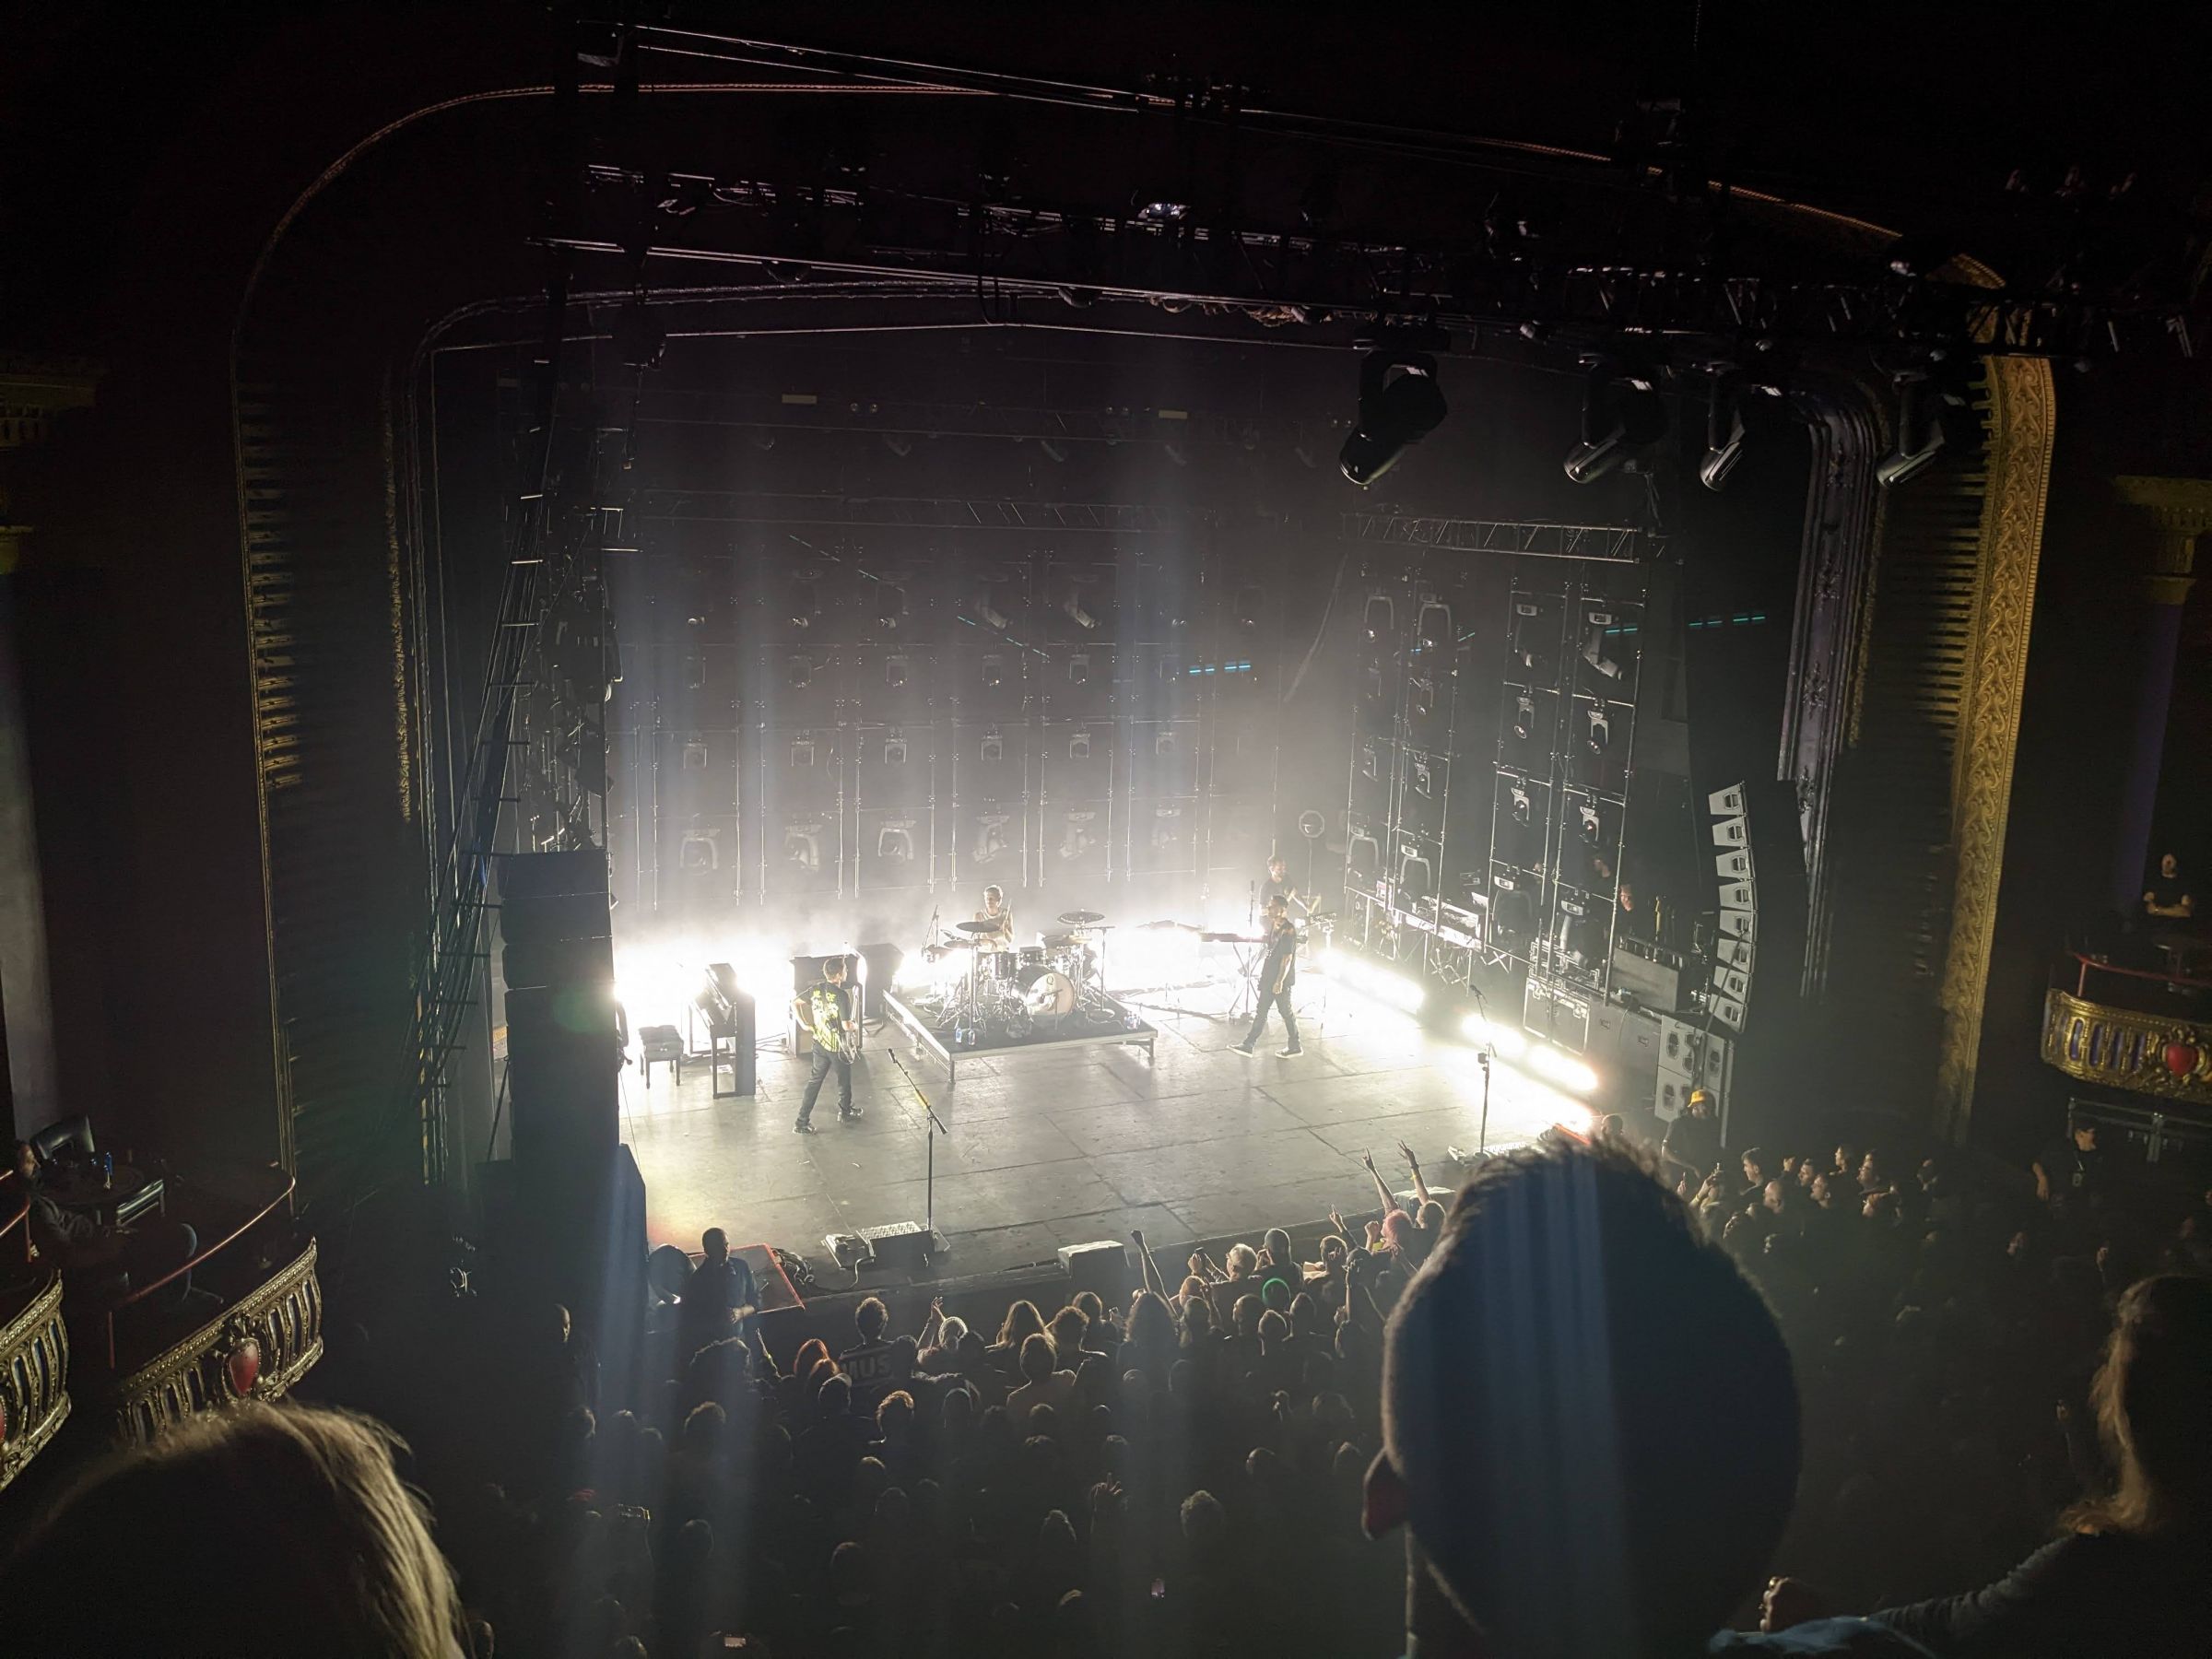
x=1057 y=1146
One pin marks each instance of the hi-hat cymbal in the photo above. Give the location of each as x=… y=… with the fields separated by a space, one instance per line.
x=979 y=927
x=1081 y=918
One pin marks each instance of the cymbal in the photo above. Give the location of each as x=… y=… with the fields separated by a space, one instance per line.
x=979 y=927
x=1081 y=918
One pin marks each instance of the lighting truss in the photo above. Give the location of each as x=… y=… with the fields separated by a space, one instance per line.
x=1596 y=544
x=917 y=512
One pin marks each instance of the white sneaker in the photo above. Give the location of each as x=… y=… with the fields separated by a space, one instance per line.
x=1289 y=1054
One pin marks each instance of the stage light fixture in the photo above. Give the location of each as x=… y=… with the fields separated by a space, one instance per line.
x=1380 y=618
x=1525 y=718
x=1393 y=989
x=763 y=440
x=1594 y=625
x=1622 y=414
x=1597 y=734
x=993 y=671
x=1519 y=646
x=994 y=746
x=1523 y=810
x=1432 y=628
x=894 y=751
x=1078 y=747
x=895 y=845
x=1075 y=612
x=1076 y=839
x=1932 y=416
x=1591 y=826
x=805 y=595
x=798 y=674
x=894 y=672
x=1422 y=693
x=1723 y=433
x=1078 y=669
x=1053 y=451
x=803 y=847
x=1556 y=1065
x=1175 y=452
x=1400 y=403
x=900 y=443
x=1483 y=1033
x=890 y=607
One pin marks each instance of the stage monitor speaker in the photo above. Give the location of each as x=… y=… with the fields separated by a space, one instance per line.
x=902 y=1247
x=1101 y=1268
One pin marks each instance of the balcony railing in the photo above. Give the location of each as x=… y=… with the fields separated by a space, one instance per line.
x=2165 y=1053
x=34 y=1375
x=257 y=1348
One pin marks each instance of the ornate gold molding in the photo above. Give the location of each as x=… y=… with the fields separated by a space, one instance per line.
x=256 y=1348
x=34 y=1379
x=2022 y=413
x=2148 y=1053
x=2180 y=509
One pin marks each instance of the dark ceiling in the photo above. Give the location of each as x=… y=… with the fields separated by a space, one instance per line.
x=1915 y=114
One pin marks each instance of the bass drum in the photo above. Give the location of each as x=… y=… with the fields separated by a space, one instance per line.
x=1047 y=992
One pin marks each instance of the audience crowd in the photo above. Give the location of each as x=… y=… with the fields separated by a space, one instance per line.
x=1214 y=1465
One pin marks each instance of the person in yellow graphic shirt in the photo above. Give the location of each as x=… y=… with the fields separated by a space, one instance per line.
x=826 y=1010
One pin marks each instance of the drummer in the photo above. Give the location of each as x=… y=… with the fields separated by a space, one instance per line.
x=999 y=933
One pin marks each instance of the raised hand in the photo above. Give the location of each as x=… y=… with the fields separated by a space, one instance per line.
x=1405 y=1152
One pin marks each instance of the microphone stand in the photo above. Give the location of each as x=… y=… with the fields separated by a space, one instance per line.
x=934 y=1127
x=1482 y=1132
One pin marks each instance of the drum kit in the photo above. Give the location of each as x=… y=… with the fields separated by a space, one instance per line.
x=1053 y=987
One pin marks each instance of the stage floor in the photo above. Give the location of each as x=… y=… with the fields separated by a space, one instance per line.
x=1063 y=1146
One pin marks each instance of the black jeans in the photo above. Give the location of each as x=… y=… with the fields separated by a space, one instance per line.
x=1274 y=999
x=823 y=1060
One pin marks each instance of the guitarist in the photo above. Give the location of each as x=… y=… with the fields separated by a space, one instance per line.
x=1279 y=972
x=826 y=1010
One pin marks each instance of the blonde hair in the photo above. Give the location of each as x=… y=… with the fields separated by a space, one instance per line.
x=2152 y=1396
x=259 y=1530
x=1243 y=1261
